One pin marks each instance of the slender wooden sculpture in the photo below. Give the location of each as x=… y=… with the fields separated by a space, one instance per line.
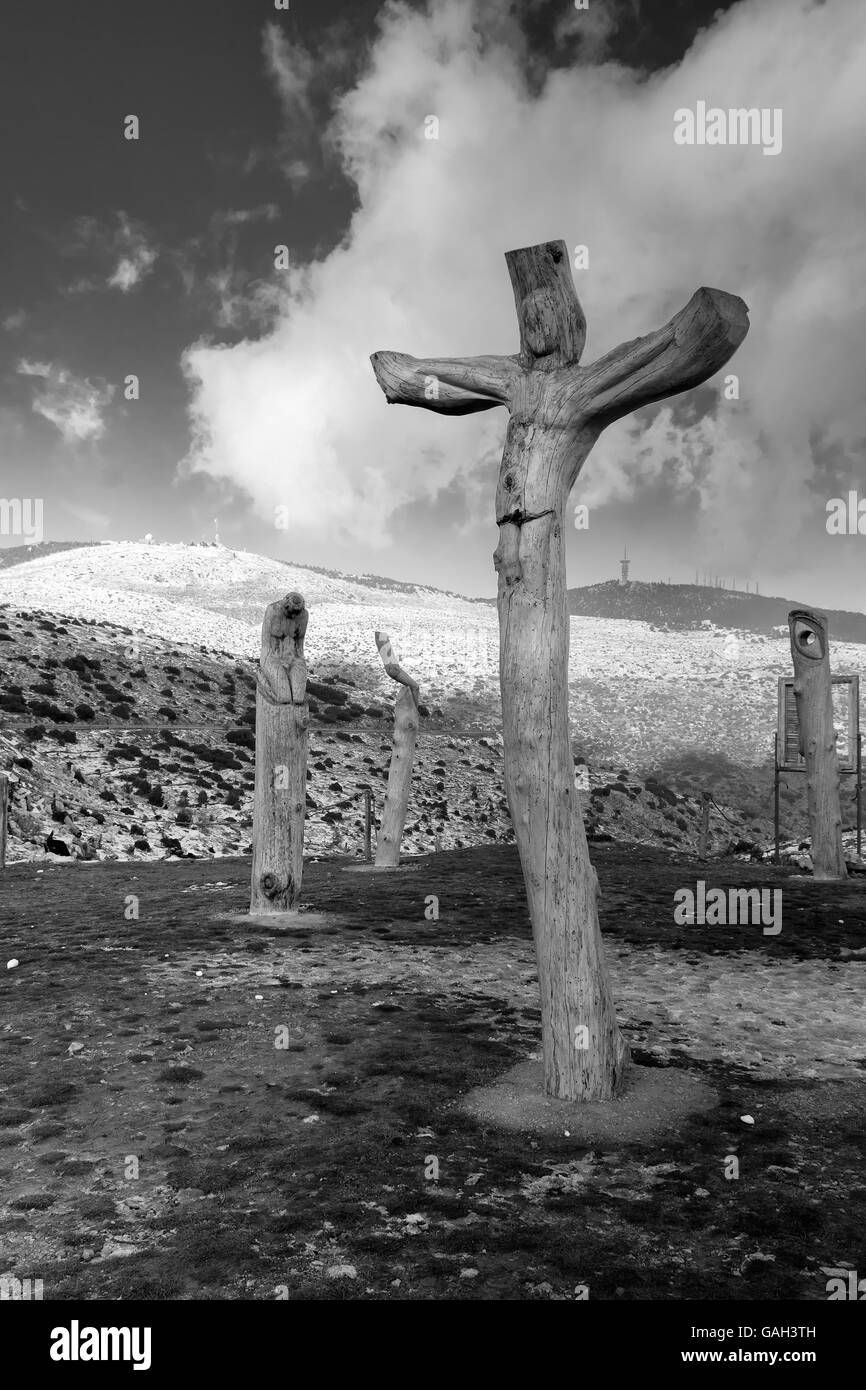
x=282 y=716
x=813 y=692
x=402 y=757
x=557 y=411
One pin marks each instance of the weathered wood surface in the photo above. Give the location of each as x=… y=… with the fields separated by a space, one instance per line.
x=813 y=692
x=406 y=722
x=4 y=816
x=282 y=718
x=557 y=411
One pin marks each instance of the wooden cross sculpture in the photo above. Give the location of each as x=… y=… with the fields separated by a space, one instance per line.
x=557 y=411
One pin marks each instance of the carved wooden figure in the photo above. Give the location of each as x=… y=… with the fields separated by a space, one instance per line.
x=282 y=716
x=402 y=757
x=813 y=692
x=557 y=411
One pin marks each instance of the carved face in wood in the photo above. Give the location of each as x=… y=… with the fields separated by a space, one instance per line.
x=808 y=635
x=293 y=604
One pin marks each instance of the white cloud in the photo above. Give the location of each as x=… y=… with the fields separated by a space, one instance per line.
x=125 y=247
x=296 y=418
x=75 y=405
x=136 y=255
x=292 y=69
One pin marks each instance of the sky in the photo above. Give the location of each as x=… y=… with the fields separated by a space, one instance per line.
x=186 y=317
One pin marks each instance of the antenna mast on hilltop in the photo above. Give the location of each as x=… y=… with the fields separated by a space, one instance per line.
x=624 y=564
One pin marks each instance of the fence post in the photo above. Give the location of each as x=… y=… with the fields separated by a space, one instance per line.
x=368 y=851
x=705 y=825
x=778 y=859
x=4 y=809
x=859 y=794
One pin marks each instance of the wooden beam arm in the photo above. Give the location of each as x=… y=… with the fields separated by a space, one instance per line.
x=687 y=351
x=393 y=667
x=452 y=386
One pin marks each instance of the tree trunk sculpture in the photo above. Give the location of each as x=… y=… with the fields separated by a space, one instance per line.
x=402 y=757
x=557 y=411
x=813 y=692
x=282 y=716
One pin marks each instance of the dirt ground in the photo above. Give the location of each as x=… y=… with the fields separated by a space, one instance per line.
x=192 y=1106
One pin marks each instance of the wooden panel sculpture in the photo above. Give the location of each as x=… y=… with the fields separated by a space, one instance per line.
x=813 y=691
x=402 y=757
x=557 y=411
x=282 y=716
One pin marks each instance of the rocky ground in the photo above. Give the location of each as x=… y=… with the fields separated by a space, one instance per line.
x=194 y=1107
x=126 y=711
x=122 y=746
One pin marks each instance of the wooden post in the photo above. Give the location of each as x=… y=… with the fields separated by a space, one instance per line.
x=402 y=756
x=705 y=825
x=282 y=716
x=557 y=411
x=810 y=650
x=776 y=775
x=859 y=795
x=4 y=816
x=368 y=853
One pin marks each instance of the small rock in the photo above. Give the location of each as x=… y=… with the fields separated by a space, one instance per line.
x=747 y=1119
x=469 y=1274
x=12 y=964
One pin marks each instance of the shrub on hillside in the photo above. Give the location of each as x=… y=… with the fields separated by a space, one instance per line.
x=46 y=710
x=244 y=738
x=328 y=694
x=63 y=735
x=13 y=704
x=217 y=757
x=85 y=712
x=83 y=665
x=130 y=751
x=333 y=714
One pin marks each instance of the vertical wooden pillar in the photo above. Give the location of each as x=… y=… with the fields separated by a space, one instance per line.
x=402 y=757
x=368 y=820
x=282 y=717
x=4 y=816
x=813 y=692
x=705 y=824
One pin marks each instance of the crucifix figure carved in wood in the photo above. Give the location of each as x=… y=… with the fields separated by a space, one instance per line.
x=557 y=411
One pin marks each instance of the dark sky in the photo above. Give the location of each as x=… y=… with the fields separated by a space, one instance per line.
x=120 y=256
